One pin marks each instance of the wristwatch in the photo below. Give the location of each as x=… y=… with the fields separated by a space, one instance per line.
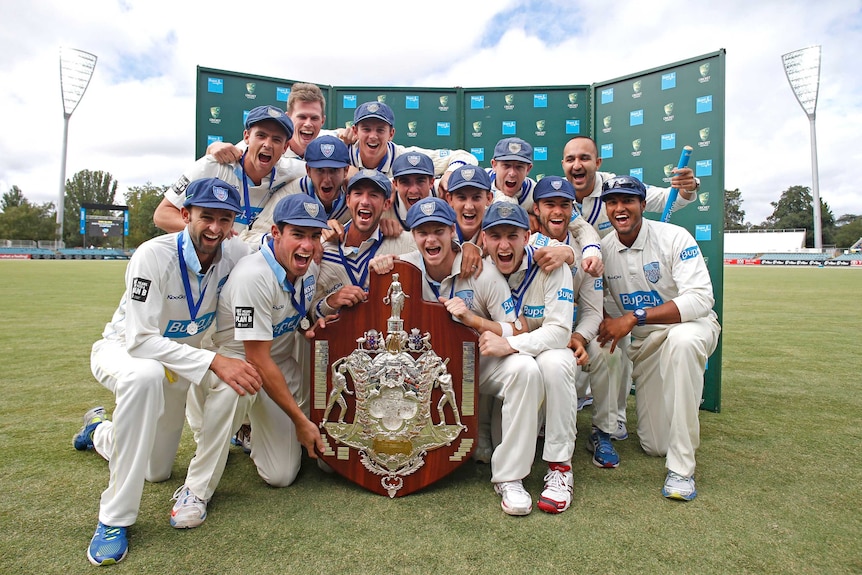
x=640 y=316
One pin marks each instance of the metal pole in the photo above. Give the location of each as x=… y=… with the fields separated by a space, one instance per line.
x=61 y=206
x=815 y=191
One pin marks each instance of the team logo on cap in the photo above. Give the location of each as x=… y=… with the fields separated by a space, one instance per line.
x=557 y=184
x=369 y=173
x=505 y=210
x=327 y=150
x=373 y=108
x=413 y=160
x=311 y=208
x=468 y=173
x=514 y=147
x=428 y=208
x=274 y=112
x=220 y=193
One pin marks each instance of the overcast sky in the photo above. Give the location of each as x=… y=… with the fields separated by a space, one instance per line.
x=148 y=51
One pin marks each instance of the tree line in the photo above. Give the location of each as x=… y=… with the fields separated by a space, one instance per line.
x=794 y=210
x=24 y=220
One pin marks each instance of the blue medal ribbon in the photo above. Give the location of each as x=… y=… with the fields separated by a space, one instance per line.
x=193 y=306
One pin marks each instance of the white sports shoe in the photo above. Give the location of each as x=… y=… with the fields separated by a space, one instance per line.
x=621 y=433
x=559 y=483
x=189 y=510
x=679 y=487
x=516 y=500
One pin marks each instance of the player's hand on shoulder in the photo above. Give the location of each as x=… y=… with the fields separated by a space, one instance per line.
x=224 y=152
x=550 y=258
x=390 y=227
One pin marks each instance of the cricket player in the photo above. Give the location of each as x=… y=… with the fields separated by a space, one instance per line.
x=657 y=276
x=580 y=164
x=263 y=308
x=150 y=354
x=373 y=129
x=543 y=302
x=344 y=268
x=484 y=303
x=259 y=173
x=412 y=180
x=326 y=163
x=553 y=206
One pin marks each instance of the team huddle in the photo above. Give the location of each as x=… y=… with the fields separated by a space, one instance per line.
x=574 y=293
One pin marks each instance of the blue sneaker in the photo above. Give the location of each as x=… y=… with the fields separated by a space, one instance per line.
x=604 y=454
x=83 y=440
x=679 y=487
x=109 y=545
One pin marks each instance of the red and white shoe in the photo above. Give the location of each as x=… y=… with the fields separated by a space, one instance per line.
x=559 y=483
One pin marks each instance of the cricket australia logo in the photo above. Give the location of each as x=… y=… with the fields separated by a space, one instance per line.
x=652 y=272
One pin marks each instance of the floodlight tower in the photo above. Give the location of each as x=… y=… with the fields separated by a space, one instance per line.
x=76 y=69
x=803 y=72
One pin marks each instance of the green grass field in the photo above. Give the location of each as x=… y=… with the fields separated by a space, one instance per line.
x=779 y=469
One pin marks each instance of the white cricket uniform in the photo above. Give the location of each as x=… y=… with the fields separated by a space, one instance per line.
x=285 y=171
x=665 y=264
x=263 y=224
x=343 y=266
x=515 y=379
x=593 y=210
x=578 y=227
x=586 y=319
x=257 y=304
x=147 y=358
x=444 y=160
x=545 y=300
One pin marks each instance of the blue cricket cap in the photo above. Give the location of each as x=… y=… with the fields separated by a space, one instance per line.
x=213 y=193
x=300 y=210
x=430 y=210
x=379 y=179
x=377 y=110
x=413 y=163
x=262 y=113
x=327 y=152
x=627 y=185
x=469 y=176
x=504 y=213
x=513 y=149
x=553 y=187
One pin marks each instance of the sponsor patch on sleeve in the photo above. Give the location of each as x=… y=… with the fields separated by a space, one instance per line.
x=140 y=289
x=690 y=252
x=243 y=317
x=181 y=185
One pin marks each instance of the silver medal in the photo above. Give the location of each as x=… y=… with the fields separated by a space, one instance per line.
x=304 y=323
x=518 y=325
x=192 y=329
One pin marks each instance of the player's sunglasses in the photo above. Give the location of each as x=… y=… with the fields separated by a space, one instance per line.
x=624 y=182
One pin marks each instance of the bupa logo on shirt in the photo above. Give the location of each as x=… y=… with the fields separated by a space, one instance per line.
x=534 y=311
x=287 y=325
x=178 y=328
x=140 y=289
x=508 y=305
x=565 y=294
x=689 y=253
x=598 y=285
x=604 y=225
x=640 y=299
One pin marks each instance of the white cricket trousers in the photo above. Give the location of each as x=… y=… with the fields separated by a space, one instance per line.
x=141 y=441
x=559 y=373
x=275 y=450
x=604 y=387
x=516 y=380
x=668 y=374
